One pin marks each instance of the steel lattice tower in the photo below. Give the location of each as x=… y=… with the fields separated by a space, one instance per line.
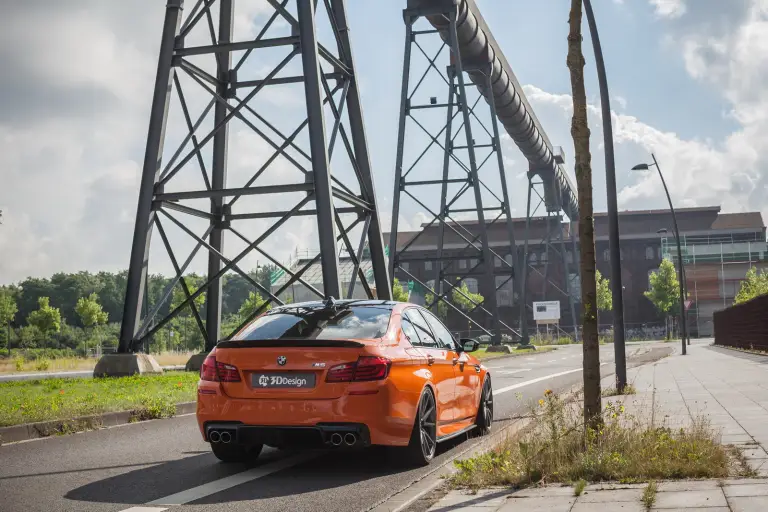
x=202 y=62
x=463 y=190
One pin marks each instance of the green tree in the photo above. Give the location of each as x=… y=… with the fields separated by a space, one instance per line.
x=252 y=304
x=604 y=295
x=46 y=318
x=442 y=307
x=466 y=300
x=91 y=314
x=191 y=337
x=8 y=310
x=754 y=285
x=665 y=288
x=398 y=293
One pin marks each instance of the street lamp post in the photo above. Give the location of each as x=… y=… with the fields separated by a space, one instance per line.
x=683 y=326
x=613 y=210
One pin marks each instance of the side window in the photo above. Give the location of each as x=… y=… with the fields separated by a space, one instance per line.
x=409 y=331
x=425 y=334
x=443 y=334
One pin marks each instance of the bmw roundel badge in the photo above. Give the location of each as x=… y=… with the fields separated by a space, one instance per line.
x=281 y=360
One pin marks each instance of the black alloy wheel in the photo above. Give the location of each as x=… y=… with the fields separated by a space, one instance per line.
x=423 y=444
x=484 y=419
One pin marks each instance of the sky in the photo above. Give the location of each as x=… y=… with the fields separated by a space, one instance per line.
x=686 y=79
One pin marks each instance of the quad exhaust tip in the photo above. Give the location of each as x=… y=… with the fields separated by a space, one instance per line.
x=350 y=439
x=214 y=436
x=226 y=437
x=336 y=439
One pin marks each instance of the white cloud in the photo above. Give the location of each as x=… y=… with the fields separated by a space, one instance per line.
x=669 y=8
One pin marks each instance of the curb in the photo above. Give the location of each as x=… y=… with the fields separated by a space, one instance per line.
x=405 y=497
x=428 y=484
x=28 y=431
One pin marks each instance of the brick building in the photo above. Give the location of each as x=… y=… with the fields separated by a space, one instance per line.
x=718 y=249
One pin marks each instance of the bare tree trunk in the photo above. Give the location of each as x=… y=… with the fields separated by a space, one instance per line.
x=580 y=133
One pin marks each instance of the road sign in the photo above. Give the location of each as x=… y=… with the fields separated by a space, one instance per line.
x=410 y=286
x=546 y=311
x=688 y=304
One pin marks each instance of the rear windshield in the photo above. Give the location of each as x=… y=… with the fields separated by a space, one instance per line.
x=319 y=324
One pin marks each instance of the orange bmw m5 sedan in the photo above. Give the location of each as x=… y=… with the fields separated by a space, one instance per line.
x=342 y=374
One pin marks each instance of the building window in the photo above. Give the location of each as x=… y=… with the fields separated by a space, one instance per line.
x=533 y=259
x=496 y=261
x=508 y=259
x=569 y=257
x=462 y=264
x=606 y=255
x=427 y=265
x=404 y=265
x=471 y=284
x=649 y=276
x=473 y=263
x=544 y=257
x=649 y=253
x=659 y=253
x=504 y=290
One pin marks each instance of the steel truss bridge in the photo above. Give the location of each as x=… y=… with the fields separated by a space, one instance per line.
x=312 y=175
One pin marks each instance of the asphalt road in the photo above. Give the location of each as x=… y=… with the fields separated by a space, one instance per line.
x=164 y=465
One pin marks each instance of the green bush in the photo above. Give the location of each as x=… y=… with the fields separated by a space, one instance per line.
x=19 y=362
x=42 y=365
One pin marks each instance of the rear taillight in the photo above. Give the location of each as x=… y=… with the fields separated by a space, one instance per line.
x=217 y=371
x=366 y=368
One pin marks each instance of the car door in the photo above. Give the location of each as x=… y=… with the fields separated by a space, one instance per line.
x=464 y=374
x=440 y=363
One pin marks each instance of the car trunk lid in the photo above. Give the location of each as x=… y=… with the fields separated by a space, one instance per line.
x=286 y=369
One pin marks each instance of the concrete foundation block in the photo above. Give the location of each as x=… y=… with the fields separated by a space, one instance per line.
x=195 y=362
x=505 y=349
x=526 y=347
x=123 y=365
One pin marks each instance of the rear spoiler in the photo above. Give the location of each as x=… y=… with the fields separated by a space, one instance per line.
x=289 y=344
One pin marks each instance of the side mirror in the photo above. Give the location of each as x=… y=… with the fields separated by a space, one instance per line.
x=469 y=345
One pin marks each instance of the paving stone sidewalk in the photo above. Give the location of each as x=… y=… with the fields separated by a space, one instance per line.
x=728 y=387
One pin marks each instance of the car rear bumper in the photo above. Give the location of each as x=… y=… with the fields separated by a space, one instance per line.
x=331 y=435
x=374 y=417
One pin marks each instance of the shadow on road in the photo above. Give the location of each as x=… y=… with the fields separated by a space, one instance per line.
x=329 y=470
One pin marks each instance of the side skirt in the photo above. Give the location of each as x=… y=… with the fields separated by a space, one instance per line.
x=456 y=434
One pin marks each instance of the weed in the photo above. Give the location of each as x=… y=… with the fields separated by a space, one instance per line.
x=558 y=448
x=19 y=362
x=579 y=487
x=42 y=365
x=649 y=494
x=629 y=389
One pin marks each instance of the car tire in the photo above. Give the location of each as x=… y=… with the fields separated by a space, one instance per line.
x=484 y=418
x=236 y=453
x=423 y=443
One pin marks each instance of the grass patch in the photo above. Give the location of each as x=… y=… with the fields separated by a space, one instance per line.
x=579 y=487
x=148 y=397
x=629 y=389
x=649 y=494
x=484 y=355
x=558 y=448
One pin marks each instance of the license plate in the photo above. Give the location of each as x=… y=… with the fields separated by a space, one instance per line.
x=283 y=380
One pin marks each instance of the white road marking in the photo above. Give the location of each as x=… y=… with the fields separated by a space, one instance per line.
x=552 y=361
x=529 y=359
x=534 y=381
x=145 y=509
x=201 y=491
x=510 y=372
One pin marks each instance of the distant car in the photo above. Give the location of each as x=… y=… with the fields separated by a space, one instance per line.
x=342 y=374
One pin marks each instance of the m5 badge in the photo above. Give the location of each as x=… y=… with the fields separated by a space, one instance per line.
x=318 y=365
